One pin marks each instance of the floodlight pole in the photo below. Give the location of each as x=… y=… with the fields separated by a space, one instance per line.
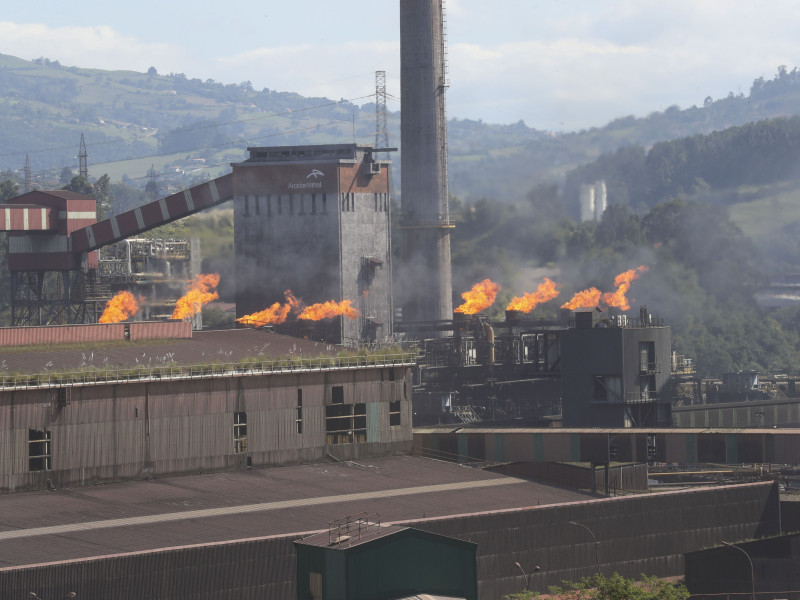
x=596 y=544
x=752 y=571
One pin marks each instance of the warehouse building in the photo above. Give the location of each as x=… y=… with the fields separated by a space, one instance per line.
x=233 y=535
x=208 y=401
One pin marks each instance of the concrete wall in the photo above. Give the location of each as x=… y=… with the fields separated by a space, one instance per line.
x=309 y=225
x=637 y=534
x=160 y=428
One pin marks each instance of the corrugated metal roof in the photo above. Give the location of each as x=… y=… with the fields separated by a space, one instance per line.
x=204 y=347
x=298 y=500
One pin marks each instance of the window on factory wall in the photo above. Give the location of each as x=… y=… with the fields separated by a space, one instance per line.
x=38 y=450
x=324 y=204
x=337 y=394
x=291 y=204
x=313 y=204
x=299 y=418
x=246 y=205
x=346 y=423
x=394 y=413
x=257 y=202
x=647 y=357
x=269 y=205
x=607 y=388
x=240 y=432
x=279 y=201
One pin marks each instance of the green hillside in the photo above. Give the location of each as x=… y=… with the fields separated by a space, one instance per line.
x=189 y=129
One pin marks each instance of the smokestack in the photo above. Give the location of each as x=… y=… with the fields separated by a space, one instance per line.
x=423 y=134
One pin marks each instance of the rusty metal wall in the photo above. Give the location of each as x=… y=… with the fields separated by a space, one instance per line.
x=150 y=330
x=61 y=334
x=157 y=428
x=636 y=534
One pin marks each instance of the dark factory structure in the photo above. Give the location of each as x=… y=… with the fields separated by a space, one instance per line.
x=591 y=368
x=315 y=220
x=616 y=373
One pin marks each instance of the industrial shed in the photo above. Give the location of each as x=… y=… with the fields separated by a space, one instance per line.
x=169 y=407
x=359 y=559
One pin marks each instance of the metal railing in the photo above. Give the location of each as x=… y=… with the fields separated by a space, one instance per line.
x=352 y=528
x=174 y=372
x=629 y=398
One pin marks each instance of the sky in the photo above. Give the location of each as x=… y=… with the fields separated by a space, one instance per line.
x=557 y=65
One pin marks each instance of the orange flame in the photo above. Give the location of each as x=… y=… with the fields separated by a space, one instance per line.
x=275 y=314
x=623 y=283
x=326 y=310
x=201 y=290
x=121 y=307
x=547 y=290
x=480 y=297
x=588 y=297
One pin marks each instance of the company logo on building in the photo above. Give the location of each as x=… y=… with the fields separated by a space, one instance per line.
x=311 y=181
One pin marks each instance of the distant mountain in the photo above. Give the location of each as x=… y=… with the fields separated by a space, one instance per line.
x=190 y=129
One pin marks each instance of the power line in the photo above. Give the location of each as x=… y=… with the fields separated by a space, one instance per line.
x=227 y=163
x=196 y=127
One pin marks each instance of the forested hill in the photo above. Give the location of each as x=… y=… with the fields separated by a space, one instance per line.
x=188 y=128
x=754 y=154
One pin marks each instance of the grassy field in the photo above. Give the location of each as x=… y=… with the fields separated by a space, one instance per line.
x=769 y=211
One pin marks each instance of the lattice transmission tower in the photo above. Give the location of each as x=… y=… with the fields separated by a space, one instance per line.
x=26 y=171
x=381 y=133
x=83 y=164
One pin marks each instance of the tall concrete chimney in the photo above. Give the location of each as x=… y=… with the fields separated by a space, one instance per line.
x=425 y=290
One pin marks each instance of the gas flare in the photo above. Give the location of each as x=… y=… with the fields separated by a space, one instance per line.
x=588 y=297
x=121 y=307
x=480 y=297
x=275 y=314
x=201 y=290
x=623 y=282
x=326 y=310
x=547 y=290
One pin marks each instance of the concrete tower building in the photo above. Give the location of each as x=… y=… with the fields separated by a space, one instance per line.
x=315 y=220
x=425 y=283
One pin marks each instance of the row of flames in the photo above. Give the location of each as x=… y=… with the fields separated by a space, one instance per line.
x=483 y=294
x=199 y=291
x=279 y=312
x=202 y=290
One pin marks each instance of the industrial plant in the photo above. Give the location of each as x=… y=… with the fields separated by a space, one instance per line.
x=319 y=448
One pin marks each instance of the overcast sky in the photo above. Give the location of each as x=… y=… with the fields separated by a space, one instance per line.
x=559 y=65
